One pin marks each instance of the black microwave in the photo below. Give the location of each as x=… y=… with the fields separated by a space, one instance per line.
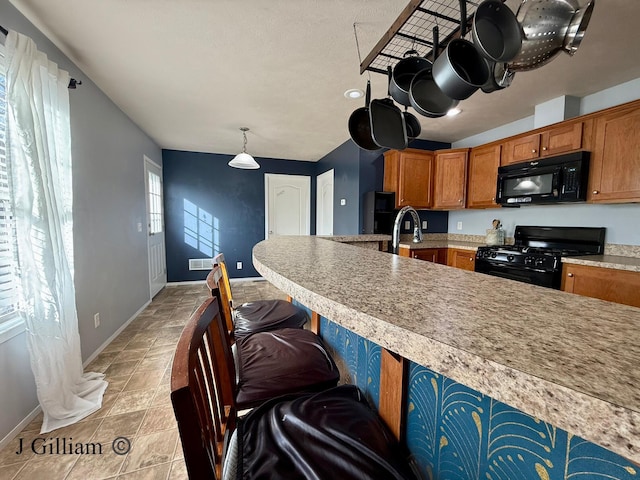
x=549 y=180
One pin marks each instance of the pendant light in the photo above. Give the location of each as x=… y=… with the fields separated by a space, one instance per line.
x=244 y=160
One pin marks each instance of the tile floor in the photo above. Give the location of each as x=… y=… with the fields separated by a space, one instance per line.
x=136 y=405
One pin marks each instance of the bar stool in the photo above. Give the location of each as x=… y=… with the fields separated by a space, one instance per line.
x=274 y=362
x=326 y=435
x=259 y=315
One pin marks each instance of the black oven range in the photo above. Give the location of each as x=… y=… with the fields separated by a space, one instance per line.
x=536 y=255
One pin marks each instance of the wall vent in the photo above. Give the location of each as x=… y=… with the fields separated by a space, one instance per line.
x=200 y=263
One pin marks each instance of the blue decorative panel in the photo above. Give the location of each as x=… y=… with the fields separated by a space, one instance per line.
x=455 y=433
x=359 y=356
x=368 y=370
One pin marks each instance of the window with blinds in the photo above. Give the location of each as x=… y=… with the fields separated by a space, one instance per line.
x=8 y=290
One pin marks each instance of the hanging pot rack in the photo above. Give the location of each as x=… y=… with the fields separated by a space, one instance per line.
x=412 y=31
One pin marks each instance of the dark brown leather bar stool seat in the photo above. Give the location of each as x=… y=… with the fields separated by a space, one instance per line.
x=259 y=315
x=279 y=362
x=332 y=434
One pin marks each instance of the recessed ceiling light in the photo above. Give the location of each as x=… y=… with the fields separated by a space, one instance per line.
x=354 y=93
x=453 y=112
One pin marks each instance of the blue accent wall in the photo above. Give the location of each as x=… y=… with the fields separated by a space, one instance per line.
x=345 y=162
x=212 y=208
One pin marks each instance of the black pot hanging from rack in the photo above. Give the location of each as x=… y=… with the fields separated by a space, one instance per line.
x=360 y=125
x=403 y=74
x=424 y=94
x=496 y=32
x=388 y=127
x=460 y=70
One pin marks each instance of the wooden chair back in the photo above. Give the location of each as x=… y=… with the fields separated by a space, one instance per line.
x=219 y=260
x=202 y=391
x=218 y=280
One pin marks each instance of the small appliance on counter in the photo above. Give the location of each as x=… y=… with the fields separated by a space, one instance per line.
x=495 y=235
x=536 y=256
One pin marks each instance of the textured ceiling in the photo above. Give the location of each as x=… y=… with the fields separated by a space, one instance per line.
x=190 y=73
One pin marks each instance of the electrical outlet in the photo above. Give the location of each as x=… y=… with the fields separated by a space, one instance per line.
x=407 y=225
x=424 y=224
x=343 y=201
x=459 y=226
x=96 y=320
x=238 y=265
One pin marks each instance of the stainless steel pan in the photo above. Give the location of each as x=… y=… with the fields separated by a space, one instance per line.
x=549 y=27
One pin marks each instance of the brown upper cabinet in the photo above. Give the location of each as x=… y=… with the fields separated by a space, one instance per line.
x=409 y=174
x=450 y=179
x=561 y=138
x=483 y=172
x=615 y=159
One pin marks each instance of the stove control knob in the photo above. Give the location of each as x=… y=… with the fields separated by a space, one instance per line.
x=539 y=261
x=528 y=260
x=494 y=254
x=510 y=258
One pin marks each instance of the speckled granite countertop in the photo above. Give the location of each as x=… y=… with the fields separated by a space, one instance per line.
x=358 y=238
x=606 y=261
x=569 y=360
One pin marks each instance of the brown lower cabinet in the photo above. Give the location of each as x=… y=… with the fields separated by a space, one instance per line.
x=465 y=259
x=435 y=255
x=620 y=286
x=453 y=257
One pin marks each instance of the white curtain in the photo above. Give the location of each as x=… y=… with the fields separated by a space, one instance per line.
x=40 y=161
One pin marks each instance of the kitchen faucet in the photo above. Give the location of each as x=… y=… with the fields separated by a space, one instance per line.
x=417 y=232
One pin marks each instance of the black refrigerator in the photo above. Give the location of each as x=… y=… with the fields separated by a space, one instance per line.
x=379 y=212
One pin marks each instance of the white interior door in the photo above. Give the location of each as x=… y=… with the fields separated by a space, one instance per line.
x=324 y=204
x=155 y=226
x=287 y=204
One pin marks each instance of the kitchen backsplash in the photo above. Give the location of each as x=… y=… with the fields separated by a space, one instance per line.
x=609 y=248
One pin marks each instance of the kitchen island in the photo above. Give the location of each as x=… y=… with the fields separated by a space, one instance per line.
x=571 y=361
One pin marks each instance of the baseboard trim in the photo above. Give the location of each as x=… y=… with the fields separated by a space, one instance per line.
x=202 y=282
x=18 y=428
x=115 y=334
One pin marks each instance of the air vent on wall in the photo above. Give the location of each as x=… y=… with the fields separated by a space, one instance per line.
x=200 y=263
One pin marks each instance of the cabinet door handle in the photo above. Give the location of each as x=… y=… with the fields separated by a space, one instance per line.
x=569 y=274
x=533 y=151
x=595 y=192
x=544 y=148
x=471 y=259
